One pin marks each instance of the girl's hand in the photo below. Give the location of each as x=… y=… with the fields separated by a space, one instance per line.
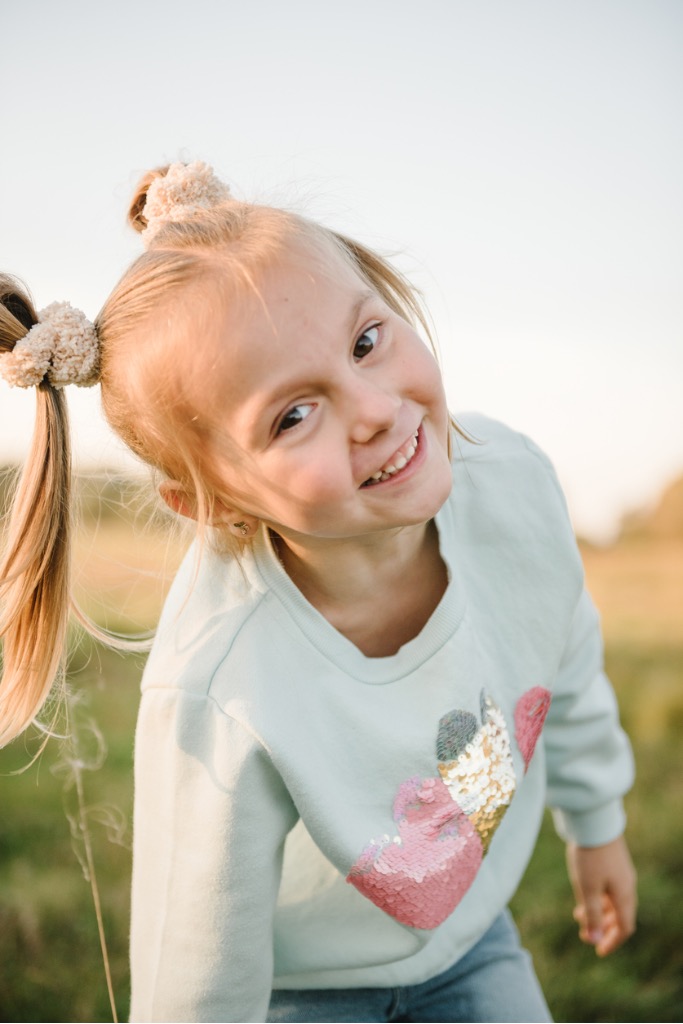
x=604 y=882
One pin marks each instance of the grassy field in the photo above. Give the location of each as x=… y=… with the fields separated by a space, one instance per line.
x=51 y=967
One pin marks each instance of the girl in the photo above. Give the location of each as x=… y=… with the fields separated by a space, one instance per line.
x=373 y=669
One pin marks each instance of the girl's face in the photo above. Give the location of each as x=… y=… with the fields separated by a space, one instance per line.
x=333 y=406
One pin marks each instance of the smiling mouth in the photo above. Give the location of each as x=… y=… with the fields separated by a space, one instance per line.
x=398 y=461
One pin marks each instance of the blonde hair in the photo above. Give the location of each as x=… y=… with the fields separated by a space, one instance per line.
x=150 y=400
x=34 y=569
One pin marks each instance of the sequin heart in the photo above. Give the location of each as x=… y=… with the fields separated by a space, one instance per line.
x=420 y=875
x=530 y=712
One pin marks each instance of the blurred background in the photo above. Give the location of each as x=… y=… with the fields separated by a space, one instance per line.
x=521 y=161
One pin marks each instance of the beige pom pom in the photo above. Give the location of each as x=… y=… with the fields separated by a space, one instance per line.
x=62 y=347
x=182 y=193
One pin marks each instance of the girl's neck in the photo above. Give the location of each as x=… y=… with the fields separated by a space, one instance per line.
x=379 y=595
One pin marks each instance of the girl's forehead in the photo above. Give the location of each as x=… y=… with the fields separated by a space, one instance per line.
x=306 y=272
x=307 y=286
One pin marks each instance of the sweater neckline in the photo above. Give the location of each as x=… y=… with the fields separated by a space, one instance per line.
x=440 y=627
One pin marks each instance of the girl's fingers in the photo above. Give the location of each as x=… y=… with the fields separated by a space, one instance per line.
x=610 y=934
x=594 y=919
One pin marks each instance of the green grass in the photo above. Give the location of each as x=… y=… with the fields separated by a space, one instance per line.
x=51 y=966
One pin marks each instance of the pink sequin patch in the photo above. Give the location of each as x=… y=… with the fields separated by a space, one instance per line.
x=420 y=875
x=530 y=712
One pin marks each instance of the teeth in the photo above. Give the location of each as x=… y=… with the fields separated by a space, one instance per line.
x=400 y=462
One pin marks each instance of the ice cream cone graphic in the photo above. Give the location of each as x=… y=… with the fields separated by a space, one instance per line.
x=475 y=763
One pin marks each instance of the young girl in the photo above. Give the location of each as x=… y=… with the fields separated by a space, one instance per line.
x=373 y=669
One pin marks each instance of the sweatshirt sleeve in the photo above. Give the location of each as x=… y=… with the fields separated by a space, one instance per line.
x=589 y=760
x=211 y=817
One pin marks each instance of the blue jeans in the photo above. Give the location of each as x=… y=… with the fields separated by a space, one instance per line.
x=494 y=981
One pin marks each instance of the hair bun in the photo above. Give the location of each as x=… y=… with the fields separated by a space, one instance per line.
x=178 y=192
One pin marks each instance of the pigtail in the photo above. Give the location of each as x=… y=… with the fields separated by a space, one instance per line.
x=35 y=567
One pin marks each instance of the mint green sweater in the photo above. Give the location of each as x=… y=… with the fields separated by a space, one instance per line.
x=308 y=817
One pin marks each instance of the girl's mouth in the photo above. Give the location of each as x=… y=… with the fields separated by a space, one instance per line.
x=398 y=461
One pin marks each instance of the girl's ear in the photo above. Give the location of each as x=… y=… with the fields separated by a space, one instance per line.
x=178 y=499
x=181 y=501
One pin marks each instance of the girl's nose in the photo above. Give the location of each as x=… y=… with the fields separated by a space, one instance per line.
x=374 y=410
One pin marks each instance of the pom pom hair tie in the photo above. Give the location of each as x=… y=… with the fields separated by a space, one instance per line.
x=62 y=347
x=180 y=194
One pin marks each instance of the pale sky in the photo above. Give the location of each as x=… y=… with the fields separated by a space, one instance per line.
x=523 y=157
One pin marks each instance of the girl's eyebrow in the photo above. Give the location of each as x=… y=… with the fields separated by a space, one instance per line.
x=357 y=307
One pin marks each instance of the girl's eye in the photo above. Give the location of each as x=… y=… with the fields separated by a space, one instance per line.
x=297 y=414
x=366 y=342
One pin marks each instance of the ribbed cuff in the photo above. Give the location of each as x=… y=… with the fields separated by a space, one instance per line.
x=591 y=828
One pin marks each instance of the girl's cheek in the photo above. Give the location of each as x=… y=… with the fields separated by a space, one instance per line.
x=318 y=485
